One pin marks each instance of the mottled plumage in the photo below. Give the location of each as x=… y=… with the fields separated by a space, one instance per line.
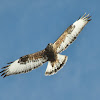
x=51 y=53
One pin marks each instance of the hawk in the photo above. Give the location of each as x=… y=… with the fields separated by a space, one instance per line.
x=51 y=54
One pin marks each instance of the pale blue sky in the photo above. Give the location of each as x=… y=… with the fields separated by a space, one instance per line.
x=27 y=26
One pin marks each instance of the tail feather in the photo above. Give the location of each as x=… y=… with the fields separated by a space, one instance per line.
x=54 y=67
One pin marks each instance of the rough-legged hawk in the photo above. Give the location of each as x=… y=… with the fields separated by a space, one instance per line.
x=51 y=53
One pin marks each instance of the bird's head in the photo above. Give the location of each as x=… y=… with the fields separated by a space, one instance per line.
x=49 y=47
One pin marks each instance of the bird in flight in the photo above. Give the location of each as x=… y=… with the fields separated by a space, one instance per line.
x=51 y=53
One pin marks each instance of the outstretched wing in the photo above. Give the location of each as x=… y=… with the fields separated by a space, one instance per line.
x=71 y=33
x=25 y=64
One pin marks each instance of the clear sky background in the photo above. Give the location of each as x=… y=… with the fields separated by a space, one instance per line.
x=27 y=26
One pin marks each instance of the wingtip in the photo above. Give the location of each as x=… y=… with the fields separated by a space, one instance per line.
x=2 y=71
x=83 y=15
x=86 y=17
x=10 y=62
x=5 y=67
x=89 y=19
x=3 y=74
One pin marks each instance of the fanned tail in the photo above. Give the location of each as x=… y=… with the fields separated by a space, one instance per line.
x=54 y=67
